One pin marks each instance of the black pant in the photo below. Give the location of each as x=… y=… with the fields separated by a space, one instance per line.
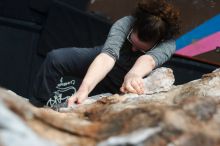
x=64 y=62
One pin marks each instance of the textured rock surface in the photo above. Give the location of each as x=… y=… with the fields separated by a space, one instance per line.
x=159 y=80
x=184 y=115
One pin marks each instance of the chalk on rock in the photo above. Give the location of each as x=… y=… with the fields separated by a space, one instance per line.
x=159 y=80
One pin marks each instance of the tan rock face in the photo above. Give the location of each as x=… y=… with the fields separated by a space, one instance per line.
x=159 y=80
x=167 y=115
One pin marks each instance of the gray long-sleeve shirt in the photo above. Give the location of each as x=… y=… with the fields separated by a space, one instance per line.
x=117 y=38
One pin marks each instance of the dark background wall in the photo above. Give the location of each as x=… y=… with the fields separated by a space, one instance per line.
x=31 y=28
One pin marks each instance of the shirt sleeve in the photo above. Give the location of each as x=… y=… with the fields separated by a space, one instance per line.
x=163 y=52
x=117 y=36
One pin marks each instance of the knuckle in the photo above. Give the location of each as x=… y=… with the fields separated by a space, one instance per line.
x=133 y=82
x=127 y=85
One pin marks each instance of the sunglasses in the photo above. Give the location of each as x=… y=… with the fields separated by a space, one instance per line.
x=129 y=39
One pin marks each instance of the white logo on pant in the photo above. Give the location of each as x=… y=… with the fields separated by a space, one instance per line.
x=59 y=94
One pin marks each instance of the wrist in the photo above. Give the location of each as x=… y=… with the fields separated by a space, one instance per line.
x=132 y=74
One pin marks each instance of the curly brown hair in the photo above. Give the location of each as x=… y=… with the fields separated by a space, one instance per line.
x=156 y=18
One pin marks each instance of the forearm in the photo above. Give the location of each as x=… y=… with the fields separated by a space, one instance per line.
x=99 y=68
x=143 y=66
x=133 y=80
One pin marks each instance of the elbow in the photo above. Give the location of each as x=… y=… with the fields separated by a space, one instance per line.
x=150 y=61
x=107 y=59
